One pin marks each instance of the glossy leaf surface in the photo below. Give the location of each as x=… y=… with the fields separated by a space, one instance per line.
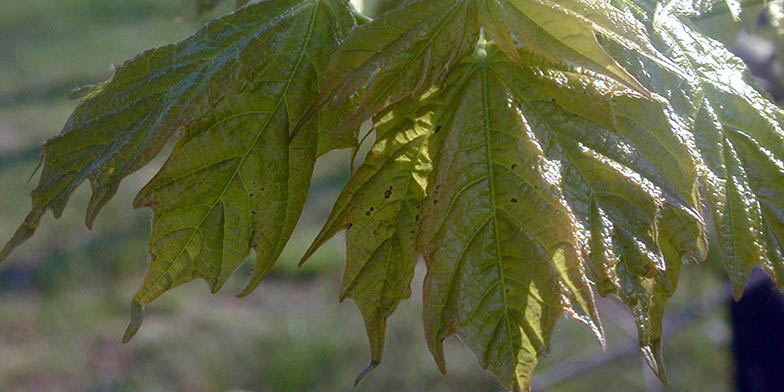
x=501 y=246
x=533 y=152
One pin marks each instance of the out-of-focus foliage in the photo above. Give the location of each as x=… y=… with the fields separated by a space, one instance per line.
x=576 y=142
x=204 y=6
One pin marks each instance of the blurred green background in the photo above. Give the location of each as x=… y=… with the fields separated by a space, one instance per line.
x=64 y=295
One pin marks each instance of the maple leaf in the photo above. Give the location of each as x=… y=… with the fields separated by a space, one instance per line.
x=588 y=144
x=567 y=31
x=379 y=209
x=501 y=246
x=235 y=180
x=401 y=53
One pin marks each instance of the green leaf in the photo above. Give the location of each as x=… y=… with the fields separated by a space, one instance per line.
x=568 y=30
x=739 y=140
x=501 y=245
x=235 y=180
x=238 y=181
x=378 y=208
x=589 y=145
x=401 y=53
x=628 y=178
x=739 y=133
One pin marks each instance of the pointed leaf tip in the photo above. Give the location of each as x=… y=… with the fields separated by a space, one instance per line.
x=652 y=353
x=137 y=316
x=312 y=250
x=22 y=234
x=37 y=167
x=245 y=292
x=737 y=289
x=373 y=364
x=233 y=187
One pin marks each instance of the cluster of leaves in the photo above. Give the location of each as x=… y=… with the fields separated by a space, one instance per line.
x=530 y=150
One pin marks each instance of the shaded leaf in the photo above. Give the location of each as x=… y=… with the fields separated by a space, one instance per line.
x=401 y=53
x=237 y=181
x=379 y=209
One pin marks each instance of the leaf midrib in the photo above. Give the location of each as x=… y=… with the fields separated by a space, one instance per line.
x=496 y=237
x=265 y=125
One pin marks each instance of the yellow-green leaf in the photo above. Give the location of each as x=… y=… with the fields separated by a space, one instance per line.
x=237 y=181
x=629 y=179
x=740 y=136
x=502 y=247
x=379 y=209
x=568 y=30
x=401 y=53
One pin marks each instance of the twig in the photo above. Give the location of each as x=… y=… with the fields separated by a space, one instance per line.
x=570 y=369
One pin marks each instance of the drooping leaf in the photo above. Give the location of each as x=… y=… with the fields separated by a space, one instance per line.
x=401 y=53
x=379 y=209
x=123 y=123
x=235 y=180
x=502 y=247
x=533 y=171
x=740 y=136
x=238 y=181
x=629 y=179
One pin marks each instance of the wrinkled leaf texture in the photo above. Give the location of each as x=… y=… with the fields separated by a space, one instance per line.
x=235 y=180
x=532 y=152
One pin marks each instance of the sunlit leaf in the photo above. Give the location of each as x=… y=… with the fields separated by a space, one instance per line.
x=532 y=151
x=740 y=134
x=402 y=53
x=234 y=181
x=568 y=30
x=502 y=247
x=739 y=137
x=379 y=209
x=630 y=181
